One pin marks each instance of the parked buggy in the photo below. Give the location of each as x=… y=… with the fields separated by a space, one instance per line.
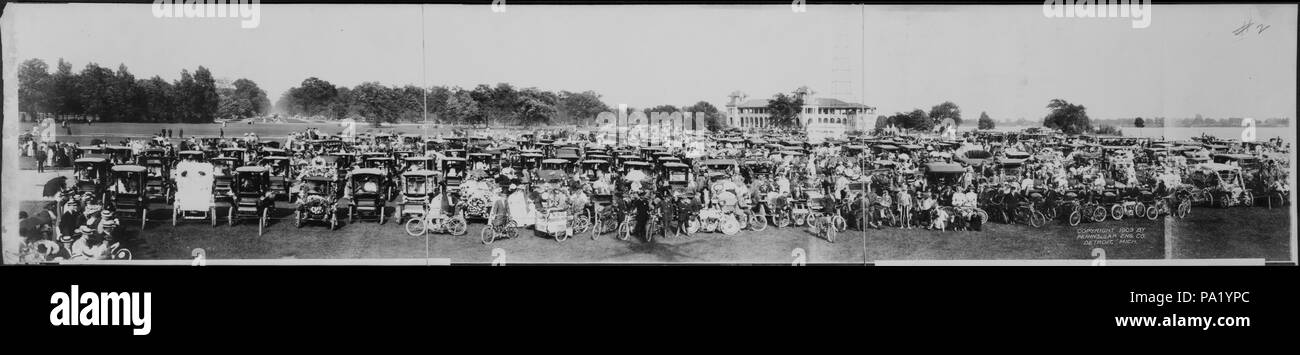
x=388 y=167
x=158 y=185
x=191 y=155
x=453 y=172
x=366 y=188
x=194 y=199
x=319 y=202
x=90 y=175
x=281 y=170
x=417 y=188
x=252 y=196
x=128 y=193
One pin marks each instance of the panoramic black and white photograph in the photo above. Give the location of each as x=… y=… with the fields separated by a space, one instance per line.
x=409 y=134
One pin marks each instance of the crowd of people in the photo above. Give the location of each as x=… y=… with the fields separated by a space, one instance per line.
x=777 y=178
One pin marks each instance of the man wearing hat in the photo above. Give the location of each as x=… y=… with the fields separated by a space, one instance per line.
x=672 y=211
x=71 y=218
x=90 y=245
x=108 y=222
x=641 y=205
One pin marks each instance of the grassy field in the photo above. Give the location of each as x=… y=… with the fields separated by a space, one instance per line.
x=1207 y=233
x=1255 y=232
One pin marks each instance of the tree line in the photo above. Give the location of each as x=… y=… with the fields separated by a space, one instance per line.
x=920 y=120
x=502 y=104
x=377 y=103
x=118 y=96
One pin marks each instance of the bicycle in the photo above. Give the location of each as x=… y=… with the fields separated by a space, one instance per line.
x=454 y=225
x=606 y=222
x=822 y=226
x=497 y=229
x=1025 y=213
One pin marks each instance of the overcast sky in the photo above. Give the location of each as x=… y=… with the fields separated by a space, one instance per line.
x=1006 y=60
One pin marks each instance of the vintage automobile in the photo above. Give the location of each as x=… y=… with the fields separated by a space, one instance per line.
x=973 y=157
x=1221 y=185
x=342 y=161
x=456 y=153
x=223 y=171
x=191 y=155
x=158 y=183
x=194 y=198
x=153 y=153
x=128 y=192
x=92 y=151
x=939 y=173
x=677 y=175
x=419 y=163
x=622 y=159
x=487 y=162
x=638 y=170
x=453 y=173
x=759 y=169
x=561 y=165
x=529 y=159
x=389 y=167
x=119 y=154
x=265 y=145
x=281 y=175
x=252 y=196
x=366 y=188
x=554 y=217
x=401 y=155
x=90 y=176
x=591 y=168
x=1246 y=161
x=648 y=153
x=722 y=166
x=239 y=154
x=417 y=188
x=665 y=160
x=319 y=201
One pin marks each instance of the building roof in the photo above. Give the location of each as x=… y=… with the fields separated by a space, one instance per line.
x=836 y=103
x=816 y=102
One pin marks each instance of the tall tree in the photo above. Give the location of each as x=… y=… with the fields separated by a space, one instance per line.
x=95 y=86
x=580 y=107
x=65 y=99
x=374 y=102
x=1067 y=117
x=783 y=110
x=1139 y=123
x=129 y=95
x=985 y=122
x=205 y=98
x=945 y=110
x=314 y=96
x=535 y=107
x=918 y=120
x=713 y=118
x=160 y=99
x=460 y=107
x=242 y=99
x=34 y=86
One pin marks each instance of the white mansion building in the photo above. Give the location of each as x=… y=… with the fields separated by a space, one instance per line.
x=748 y=114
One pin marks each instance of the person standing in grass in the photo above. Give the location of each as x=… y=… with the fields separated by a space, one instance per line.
x=40 y=160
x=905 y=209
